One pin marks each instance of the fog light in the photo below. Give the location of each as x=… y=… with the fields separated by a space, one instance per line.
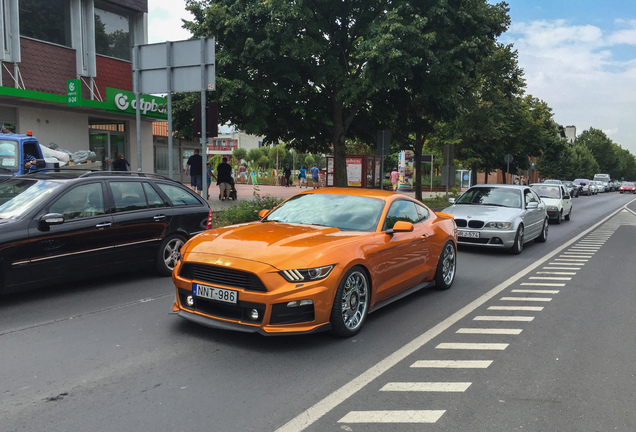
x=254 y=314
x=190 y=301
x=300 y=303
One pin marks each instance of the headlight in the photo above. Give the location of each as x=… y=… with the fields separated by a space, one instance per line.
x=552 y=208
x=312 y=274
x=499 y=225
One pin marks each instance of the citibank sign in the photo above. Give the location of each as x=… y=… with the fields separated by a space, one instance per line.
x=125 y=101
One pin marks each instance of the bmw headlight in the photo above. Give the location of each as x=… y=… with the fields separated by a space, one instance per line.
x=499 y=225
x=306 y=275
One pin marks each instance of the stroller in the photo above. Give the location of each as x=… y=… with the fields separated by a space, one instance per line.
x=233 y=194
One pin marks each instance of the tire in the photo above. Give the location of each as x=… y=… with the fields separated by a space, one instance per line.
x=518 y=246
x=351 y=304
x=168 y=254
x=567 y=216
x=544 y=232
x=559 y=217
x=446 y=267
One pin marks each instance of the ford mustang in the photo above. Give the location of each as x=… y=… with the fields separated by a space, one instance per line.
x=322 y=260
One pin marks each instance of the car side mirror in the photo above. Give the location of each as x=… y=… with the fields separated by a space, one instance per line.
x=263 y=213
x=40 y=163
x=451 y=200
x=400 y=226
x=532 y=205
x=50 y=219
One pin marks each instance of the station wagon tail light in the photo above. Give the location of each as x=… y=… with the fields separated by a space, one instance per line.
x=306 y=275
x=499 y=225
x=209 y=224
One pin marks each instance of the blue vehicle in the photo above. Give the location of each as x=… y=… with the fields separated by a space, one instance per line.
x=13 y=148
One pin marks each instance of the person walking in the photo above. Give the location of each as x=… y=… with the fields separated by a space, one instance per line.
x=303 y=177
x=394 y=178
x=195 y=167
x=315 y=176
x=224 y=179
x=287 y=174
x=120 y=164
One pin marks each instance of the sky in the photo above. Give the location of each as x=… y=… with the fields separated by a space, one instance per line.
x=579 y=56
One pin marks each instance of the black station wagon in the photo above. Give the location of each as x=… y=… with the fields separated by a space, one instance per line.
x=61 y=226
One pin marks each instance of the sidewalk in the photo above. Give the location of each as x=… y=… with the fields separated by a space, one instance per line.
x=245 y=192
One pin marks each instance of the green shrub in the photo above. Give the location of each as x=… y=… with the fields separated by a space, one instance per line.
x=245 y=211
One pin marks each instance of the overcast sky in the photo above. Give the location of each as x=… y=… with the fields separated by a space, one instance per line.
x=579 y=56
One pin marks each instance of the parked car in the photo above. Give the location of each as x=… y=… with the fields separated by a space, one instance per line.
x=557 y=199
x=321 y=260
x=62 y=226
x=628 y=187
x=574 y=189
x=594 y=187
x=584 y=186
x=499 y=216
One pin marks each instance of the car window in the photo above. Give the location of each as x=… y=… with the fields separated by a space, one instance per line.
x=82 y=201
x=128 y=195
x=178 y=196
x=401 y=210
x=531 y=196
x=18 y=195
x=422 y=212
x=154 y=199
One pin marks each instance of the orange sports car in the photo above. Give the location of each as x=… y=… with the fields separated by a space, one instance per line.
x=321 y=260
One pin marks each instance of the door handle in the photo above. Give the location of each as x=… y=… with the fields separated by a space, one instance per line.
x=159 y=218
x=103 y=225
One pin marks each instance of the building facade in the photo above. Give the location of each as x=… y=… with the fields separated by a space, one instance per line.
x=67 y=76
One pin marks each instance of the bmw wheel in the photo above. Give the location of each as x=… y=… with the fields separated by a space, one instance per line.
x=517 y=247
x=544 y=232
x=445 y=273
x=168 y=254
x=351 y=303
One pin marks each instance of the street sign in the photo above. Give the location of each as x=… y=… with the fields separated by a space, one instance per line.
x=384 y=142
x=427 y=158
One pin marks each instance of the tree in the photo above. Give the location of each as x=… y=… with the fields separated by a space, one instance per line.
x=239 y=154
x=254 y=155
x=307 y=72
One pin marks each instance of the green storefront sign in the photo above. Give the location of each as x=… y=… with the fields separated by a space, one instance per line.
x=124 y=101
x=74 y=92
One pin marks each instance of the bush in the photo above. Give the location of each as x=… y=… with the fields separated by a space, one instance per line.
x=245 y=211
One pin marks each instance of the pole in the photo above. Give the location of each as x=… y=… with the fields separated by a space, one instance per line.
x=169 y=80
x=204 y=158
x=138 y=108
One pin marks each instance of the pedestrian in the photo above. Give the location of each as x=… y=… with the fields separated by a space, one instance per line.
x=303 y=177
x=195 y=167
x=119 y=164
x=243 y=173
x=287 y=174
x=315 y=176
x=224 y=179
x=394 y=178
x=210 y=175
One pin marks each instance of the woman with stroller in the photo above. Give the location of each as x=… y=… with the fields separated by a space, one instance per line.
x=224 y=179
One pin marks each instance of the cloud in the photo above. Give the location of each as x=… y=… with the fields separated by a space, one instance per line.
x=164 y=20
x=584 y=74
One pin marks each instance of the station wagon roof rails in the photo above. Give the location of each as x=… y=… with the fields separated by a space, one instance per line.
x=125 y=173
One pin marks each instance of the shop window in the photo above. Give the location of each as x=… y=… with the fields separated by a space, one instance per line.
x=46 y=20
x=112 y=32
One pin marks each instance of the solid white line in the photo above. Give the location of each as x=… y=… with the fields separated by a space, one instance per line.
x=491 y=331
x=503 y=318
x=457 y=387
x=517 y=308
x=535 y=291
x=539 y=299
x=542 y=284
x=348 y=389
x=396 y=416
x=473 y=346
x=452 y=364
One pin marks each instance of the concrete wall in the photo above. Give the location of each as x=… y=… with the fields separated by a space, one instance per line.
x=69 y=130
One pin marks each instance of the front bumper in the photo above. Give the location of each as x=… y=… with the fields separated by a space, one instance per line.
x=488 y=238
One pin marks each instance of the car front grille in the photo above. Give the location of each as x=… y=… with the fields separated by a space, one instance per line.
x=239 y=312
x=217 y=275
x=463 y=223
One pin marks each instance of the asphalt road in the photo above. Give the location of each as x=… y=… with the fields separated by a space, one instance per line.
x=104 y=355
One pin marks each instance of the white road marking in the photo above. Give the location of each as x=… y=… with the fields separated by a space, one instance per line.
x=491 y=331
x=546 y=284
x=537 y=299
x=533 y=291
x=556 y=273
x=395 y=416
x=550 y=278
x=503 y=318
x=562 y=268
x=452 y=364
x=517 y=308
x=456 y=387
x=472 y=346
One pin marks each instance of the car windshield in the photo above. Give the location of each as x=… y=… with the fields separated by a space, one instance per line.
x=547 y=191
x=494 y=196
x=628 y=184
x=345 y=212
x=19 y=195
x=8 y=155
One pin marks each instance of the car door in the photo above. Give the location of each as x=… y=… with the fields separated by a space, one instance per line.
x=534 y=217
x=402 y=260
x=80 y=246
x=140 y=219
x=567 y=201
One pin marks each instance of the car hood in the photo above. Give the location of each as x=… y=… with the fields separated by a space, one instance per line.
x=483 y=212
x=276 y=244
x=552 y=201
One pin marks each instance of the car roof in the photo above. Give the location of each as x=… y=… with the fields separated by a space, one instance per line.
x=500 y=185
x=72 y=174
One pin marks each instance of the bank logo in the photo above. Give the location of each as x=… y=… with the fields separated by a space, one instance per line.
x=121 y=101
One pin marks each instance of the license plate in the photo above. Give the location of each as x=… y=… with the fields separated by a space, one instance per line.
x=470 y=234
x=214 y=293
